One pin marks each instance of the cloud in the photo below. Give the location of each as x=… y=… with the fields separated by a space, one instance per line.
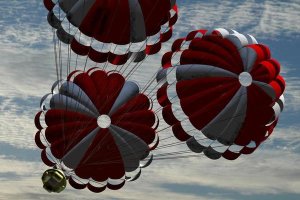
x=17 y=127
x=293 y=94
x=19 y=153
x=263 y=19
x=285 y=139
x=249 y=175
x=28 y=71
x=23 y=24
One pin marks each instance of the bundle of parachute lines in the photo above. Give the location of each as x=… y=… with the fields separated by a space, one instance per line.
x=217 y=94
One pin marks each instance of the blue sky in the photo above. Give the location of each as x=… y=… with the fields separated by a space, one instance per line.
x=27 y=72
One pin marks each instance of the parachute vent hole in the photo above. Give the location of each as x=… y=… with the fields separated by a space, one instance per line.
x=245 y=79
x=103 y=121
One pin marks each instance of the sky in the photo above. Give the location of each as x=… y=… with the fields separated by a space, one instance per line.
x=27 y=72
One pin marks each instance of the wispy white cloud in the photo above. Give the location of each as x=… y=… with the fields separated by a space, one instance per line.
x=264 y=19
x=26 y=183
x=293 y=94
x=250 y=175
x=27 y=73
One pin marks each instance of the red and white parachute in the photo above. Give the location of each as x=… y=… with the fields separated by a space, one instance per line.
x=97 y=128
x=113 y=30
x=222 y=92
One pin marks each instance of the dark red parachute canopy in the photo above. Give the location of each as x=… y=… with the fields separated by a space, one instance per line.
x=98 y=128
x=113 y=30
x=222 y=92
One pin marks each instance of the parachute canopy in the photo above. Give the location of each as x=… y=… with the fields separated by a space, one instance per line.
x=113 y=30
x=221 y=92
x=97 y=128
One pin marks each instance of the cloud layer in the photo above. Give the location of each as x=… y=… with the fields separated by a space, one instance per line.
x=27 y=72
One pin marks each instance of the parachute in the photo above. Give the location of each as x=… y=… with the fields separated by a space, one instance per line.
x=97 y=129
x=221 y=92
x=111 y=30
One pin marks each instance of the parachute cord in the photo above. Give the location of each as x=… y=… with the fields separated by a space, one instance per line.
x=80 y=93
x=136 y=66
x=69 y=56
x=91 y=41
x=87 y=181
x=150 y=82
x=60 y=60
x=60 y=78
x=76 y=62
x=133 y=69
x=55 y=54
x=87 y=56
x=152 y=79
x=165 y=156
x=166 y=138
